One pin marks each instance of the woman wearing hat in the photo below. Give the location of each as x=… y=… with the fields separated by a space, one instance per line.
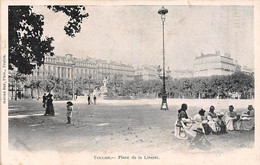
x=47 y=105
x=69 y=111
x=50 y=105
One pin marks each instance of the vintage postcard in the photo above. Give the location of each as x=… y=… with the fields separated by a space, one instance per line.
x=130 y=82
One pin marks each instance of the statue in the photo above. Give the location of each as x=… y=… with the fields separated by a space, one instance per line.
x=103 y=89
x=105 y=81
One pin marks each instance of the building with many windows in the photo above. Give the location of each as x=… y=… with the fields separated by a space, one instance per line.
x=113 y=69
x=146 y=72
x=181 y=74
x=70 y=67
x=214 y=64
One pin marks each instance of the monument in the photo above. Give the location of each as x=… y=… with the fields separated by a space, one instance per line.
x=103 y=89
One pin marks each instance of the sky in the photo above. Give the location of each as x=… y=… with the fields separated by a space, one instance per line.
x=133 y=34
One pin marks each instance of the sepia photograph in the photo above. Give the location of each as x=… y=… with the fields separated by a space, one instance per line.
x=129 y=84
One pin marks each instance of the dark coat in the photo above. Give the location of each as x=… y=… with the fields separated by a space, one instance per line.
x=50 y=108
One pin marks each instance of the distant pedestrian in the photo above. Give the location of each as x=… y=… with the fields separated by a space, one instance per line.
x=47 y=108
x=89 y=100
x=50 y=105
x=19 y=95
x=69 y=111
x=44 y=99
x=95 y=98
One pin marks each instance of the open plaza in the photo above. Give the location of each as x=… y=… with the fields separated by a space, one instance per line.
x=116 y=126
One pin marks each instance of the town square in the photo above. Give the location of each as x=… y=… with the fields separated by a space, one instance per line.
x=130 y=82
x=114 y=126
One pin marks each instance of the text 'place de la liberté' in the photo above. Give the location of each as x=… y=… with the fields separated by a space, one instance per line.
x=124 y=157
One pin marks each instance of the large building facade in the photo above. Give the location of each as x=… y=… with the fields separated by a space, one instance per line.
x=214 y=64
x=146 y=72
x=177 y=74
x=70 y=67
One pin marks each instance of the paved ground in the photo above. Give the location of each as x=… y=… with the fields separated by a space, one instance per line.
x=113 y=126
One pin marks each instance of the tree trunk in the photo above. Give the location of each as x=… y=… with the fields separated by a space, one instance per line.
x=38 y=94
x=15 y=88
x=89 y=87
x=12 y=90
x=32 y=93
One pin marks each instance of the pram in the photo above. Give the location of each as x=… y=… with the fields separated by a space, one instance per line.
x=193 y=132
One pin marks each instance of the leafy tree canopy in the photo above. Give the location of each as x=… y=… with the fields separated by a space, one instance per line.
x=27 y=45
x=76 y=15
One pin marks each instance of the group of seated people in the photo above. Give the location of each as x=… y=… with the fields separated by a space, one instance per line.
x=212 y=122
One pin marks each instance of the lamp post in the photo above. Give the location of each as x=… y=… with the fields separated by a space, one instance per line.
x=36 y=76
x=73 y=94
x=164 y=105
x=167 y=75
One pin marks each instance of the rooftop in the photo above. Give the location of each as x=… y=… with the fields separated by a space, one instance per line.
x=226 y=55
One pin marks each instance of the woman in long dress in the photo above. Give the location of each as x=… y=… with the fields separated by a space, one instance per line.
x=50 y=105
x=182 y=123
x=232 y=119
x=202 y=121
x=212 y=119
x=47 y=107
x=248 y=119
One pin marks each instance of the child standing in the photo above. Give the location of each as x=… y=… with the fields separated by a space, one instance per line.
x=69 y=111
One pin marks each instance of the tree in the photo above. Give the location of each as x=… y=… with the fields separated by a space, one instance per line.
x=35 y=84
x=47 y=85
x=88 y=80
x=116 y=81
x=76 y=14
x=16 y=77
x=27 y=45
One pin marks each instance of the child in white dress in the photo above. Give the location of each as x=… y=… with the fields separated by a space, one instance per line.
x=69 y=111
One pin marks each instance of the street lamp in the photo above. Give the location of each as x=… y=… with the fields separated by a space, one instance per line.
x=167 y=75
x=34 y=62
x=73 y=94
x=164 y=105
